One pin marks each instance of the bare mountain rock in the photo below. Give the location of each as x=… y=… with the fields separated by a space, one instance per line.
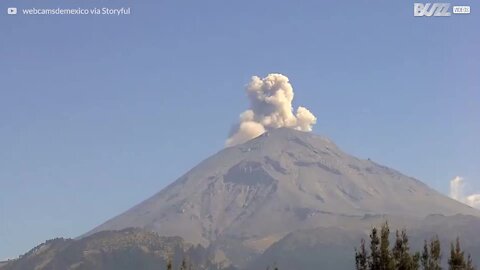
x=247 y=197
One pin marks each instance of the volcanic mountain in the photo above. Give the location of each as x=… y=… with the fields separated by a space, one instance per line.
x=245 y=198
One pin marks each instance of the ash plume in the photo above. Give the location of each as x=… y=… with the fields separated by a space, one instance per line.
x=473 y=200
x=270 y=107
x=457 y=186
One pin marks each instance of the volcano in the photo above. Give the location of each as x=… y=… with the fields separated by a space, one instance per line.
x=247 y=197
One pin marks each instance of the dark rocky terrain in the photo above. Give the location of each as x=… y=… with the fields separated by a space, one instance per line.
x=112 y=250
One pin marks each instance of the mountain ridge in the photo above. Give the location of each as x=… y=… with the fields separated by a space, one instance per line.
x=246 y=197
x=130 y=248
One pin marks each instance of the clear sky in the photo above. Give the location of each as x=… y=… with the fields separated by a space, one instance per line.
x=98 y=113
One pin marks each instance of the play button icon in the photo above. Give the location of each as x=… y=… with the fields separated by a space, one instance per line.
x=12 y=11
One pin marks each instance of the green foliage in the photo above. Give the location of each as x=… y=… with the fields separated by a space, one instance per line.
x=374 y=259
x=274 y=267
x=401 y=253
x=399 y=257
x=386 y=257
x=184 y=264
x=425 y=258
x=469 y=263
x=431 y=258
x=457 y=258
x=361 y=257
x=415 y=261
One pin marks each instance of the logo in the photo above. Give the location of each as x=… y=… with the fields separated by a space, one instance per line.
x=12 y=11
x=431 y=9
x=461 y=9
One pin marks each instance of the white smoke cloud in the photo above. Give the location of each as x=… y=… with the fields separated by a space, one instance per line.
x=474 y=200
x=457 y=186
x=270 y=107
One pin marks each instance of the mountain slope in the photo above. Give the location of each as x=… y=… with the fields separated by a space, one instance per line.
x=333 y=247
x=246 y=197
x=112 y=250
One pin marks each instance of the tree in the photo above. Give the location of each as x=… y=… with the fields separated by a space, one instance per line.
x=386 y=259
x=374 y=258
x=469 y=263
x=435 y=262
x=184 y=264
x=274 y=267
x=415 y=261
x=457 y=259
x=401 y=253
x=399 y=250
x=400 y=257
x=425 y=258
x=361 y=257
x=431 y=258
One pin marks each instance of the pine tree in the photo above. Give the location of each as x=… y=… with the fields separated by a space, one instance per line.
x=403 y=259
x=374 y=261
x=361 y=257
x=457 y=259
x=184 y=264
x=397 y=249
x=415 y=261
x=470 y=265
x=274 y=267
x=431 y=258
x=435 y=262
x=425 y=258
x=386 y=260
x=400 y=258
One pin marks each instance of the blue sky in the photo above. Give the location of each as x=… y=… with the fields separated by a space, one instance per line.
x=98 y=113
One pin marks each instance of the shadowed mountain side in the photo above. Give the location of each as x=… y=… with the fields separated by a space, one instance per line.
x=112 y=250
x=330 y=248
